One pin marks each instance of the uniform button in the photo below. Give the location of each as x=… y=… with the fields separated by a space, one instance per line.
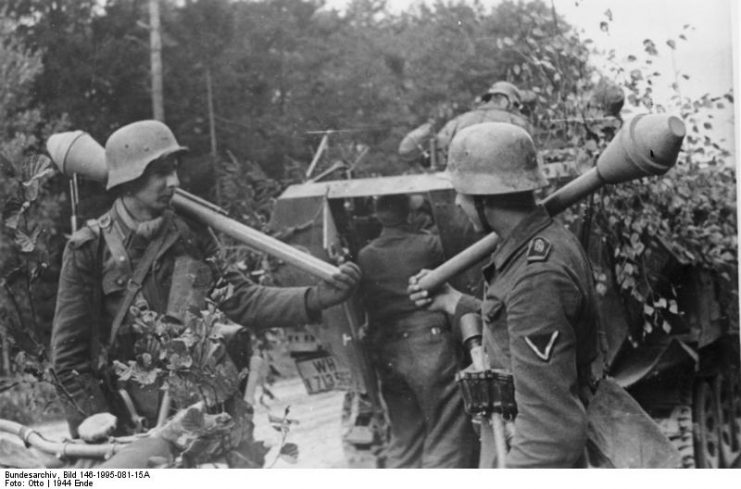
x=405 y=335
x=119 y=281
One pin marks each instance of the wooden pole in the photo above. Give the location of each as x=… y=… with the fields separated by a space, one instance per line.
x=155 y=43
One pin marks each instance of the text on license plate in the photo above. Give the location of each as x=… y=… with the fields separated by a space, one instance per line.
x=323 y=374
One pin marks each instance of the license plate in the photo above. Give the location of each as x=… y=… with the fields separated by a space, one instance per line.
x=323 y=374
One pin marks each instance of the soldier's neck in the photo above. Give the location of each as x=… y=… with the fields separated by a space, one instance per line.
x=504 y=221
x=138 y=211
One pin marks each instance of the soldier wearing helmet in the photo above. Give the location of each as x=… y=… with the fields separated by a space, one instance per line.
x=500 y=103
x=539 y=309
x=131 y=259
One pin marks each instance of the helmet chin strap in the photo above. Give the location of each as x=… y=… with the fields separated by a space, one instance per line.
x=480 y=205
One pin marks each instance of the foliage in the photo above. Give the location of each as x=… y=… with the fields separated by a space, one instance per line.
x=686 y=217
x=30 y=236
x=28 y=216
x=190 y=361
x=95 y=60
x=26 y=400
x=283 y=68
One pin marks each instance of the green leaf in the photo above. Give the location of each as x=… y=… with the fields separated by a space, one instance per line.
x=35 y=170
x=648 y=327
x=666 y=327
x=27 y=243
x=601 y=289
x=12 y=212
x=289 y=453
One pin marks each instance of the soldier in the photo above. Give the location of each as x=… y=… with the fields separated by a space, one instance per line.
x=127 y=257
x=539 y=309
x=414 y=351
x=501 y=103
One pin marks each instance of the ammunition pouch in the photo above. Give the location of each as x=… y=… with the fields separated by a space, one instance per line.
x=488 y=392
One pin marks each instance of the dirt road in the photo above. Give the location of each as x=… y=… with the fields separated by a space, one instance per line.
x=317 y=433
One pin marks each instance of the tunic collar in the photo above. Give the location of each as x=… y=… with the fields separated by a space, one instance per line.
x=128 y=225
x=535 y=222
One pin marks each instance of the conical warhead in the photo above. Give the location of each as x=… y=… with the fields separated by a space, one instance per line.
x=77 y=152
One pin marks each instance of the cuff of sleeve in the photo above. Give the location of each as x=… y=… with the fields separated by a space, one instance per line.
x=313 y=311
x=466 y=305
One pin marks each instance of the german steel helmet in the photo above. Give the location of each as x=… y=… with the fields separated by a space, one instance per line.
x=507 y=89
x=131 y=148
x=493 y=158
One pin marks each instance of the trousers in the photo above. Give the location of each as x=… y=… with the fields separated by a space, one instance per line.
x=416 y=359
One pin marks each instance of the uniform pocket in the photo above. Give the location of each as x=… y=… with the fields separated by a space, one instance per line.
x=114 y=281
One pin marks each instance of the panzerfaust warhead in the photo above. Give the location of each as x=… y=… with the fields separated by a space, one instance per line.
x=648 y=145
x=76 y=152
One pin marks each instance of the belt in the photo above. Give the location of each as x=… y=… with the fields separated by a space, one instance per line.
x=403 y=335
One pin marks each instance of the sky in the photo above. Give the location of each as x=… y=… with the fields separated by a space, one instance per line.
x=707 y=56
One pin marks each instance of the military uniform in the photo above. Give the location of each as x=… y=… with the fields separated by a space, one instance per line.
x=92 y=285
x=486 y=112
x=415 y=354
x=540 y=321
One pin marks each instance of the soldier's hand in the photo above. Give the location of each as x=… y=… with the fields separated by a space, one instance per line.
x=445 y=298
x=336 y=289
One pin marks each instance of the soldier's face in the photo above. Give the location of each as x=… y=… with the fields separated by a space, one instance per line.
x=158 y=185
x=465 y=202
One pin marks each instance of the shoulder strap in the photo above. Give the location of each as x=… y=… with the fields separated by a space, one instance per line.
x=135 y=283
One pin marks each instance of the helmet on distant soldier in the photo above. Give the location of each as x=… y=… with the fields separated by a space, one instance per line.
x=131 y=148
x=607 y=97
x=493 y=158
x=504 y=88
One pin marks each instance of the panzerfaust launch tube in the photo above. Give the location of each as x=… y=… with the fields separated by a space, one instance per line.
x=190 y=205
x=76 y=152
x=647 y=145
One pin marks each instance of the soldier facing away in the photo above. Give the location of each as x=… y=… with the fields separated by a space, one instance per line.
x=539 y=309
x=414 y=351
x=127 y=258
x=500 y=103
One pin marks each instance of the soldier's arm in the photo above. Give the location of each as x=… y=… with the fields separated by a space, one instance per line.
x=72 y=348
x=271 y=307
x=445 y=135
x=248 y=303
x=266 y=307
x=550 y=428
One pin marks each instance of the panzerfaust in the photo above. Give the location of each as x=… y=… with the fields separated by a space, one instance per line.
x=77 y=153
x=647 y=146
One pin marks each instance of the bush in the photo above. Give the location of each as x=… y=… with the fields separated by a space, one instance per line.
x=28 y=401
